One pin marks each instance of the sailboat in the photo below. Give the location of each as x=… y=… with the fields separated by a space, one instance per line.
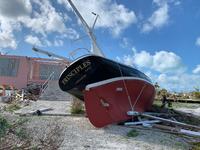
x=108 y=88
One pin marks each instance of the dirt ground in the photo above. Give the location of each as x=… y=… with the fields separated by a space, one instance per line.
x=68 y=133
x=72 y=132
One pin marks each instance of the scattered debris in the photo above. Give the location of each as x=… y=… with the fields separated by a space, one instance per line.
x=43 y=107
x=5 y=99
x=167 y=120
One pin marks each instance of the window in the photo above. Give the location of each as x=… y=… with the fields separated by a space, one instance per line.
x=9 y=67
x=46 y=70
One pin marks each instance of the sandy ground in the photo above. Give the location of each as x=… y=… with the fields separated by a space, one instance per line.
x=76 y=133
x=70 y=132
x=85 y=136
x=194 y=111
x=58 y=107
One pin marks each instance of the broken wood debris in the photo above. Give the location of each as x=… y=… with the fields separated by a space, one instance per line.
x=171 y=126
x=37 y=112
x=177 y=130
x=31 y=92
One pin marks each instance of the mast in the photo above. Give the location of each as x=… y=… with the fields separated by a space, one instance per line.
x=95 y=48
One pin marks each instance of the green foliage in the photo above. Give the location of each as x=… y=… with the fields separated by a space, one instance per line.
x=21 y=133
x=132 y=133
x=4 y=126
x=196 y=146
x=13 y=107
x=161 y=92
x=77 y=107
x=196 y=94
x=35 y=147
x=21 y=121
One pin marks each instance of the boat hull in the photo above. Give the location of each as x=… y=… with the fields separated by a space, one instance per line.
x=108 y=102
x=91 y=69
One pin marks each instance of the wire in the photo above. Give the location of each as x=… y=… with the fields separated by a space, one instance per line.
x=139 y=95
x=126 y=89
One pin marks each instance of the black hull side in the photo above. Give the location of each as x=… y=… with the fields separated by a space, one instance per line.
x=90 y=69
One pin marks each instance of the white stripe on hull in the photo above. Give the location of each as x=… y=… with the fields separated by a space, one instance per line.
x=113 y=80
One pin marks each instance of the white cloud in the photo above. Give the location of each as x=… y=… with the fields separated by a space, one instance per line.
x=46 y=20
x=38 y=16
x=134 y=50
x=197 y=70
x=128 y=60
x=143 y=59
x=159 y=18
x=15 y=8
x=160 y=2
x=7 y=27
x=170 y=72
x=181 y=82
x=70 y=34
x=125 y=43
x=162 y=61
x=177 y=3
x=58 y=43
x=198 y=41
x=47 y=42
x=115 y=17
x=7 y=40
x=33 y=40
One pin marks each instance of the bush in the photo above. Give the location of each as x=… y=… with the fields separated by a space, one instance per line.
x=77 y=107
x=196 y=94
x=12 y=107
x=132 y=133
x=21 y=133
x=196 y=146
x=4 y=125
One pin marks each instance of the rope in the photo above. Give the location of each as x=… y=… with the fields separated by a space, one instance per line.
x=139 y=95
x=128 y=96
x=126 y=89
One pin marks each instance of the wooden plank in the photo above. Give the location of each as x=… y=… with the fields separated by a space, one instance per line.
x=171 y=121
x=197 y=101
x=142 y=122
x=177 y=130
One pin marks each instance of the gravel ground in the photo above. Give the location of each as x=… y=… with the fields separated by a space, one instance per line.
x=193 y=111
x=68 y=133
x=58 y=107
x=77 y=133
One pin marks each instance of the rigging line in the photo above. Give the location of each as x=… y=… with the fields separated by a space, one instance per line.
x=139 y=95
x=126 y=89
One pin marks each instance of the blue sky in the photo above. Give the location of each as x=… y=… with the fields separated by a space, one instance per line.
x=159 y=37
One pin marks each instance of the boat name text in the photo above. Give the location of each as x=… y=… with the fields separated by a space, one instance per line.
x=75 y=71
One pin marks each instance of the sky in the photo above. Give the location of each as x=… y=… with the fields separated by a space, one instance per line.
x=159 y=37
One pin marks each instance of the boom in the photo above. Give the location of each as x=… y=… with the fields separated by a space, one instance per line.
x=50 y=54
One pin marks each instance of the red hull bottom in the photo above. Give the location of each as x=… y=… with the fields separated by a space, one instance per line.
x=107 y=102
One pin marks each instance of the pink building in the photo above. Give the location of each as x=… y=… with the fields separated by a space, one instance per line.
x=18 y=71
